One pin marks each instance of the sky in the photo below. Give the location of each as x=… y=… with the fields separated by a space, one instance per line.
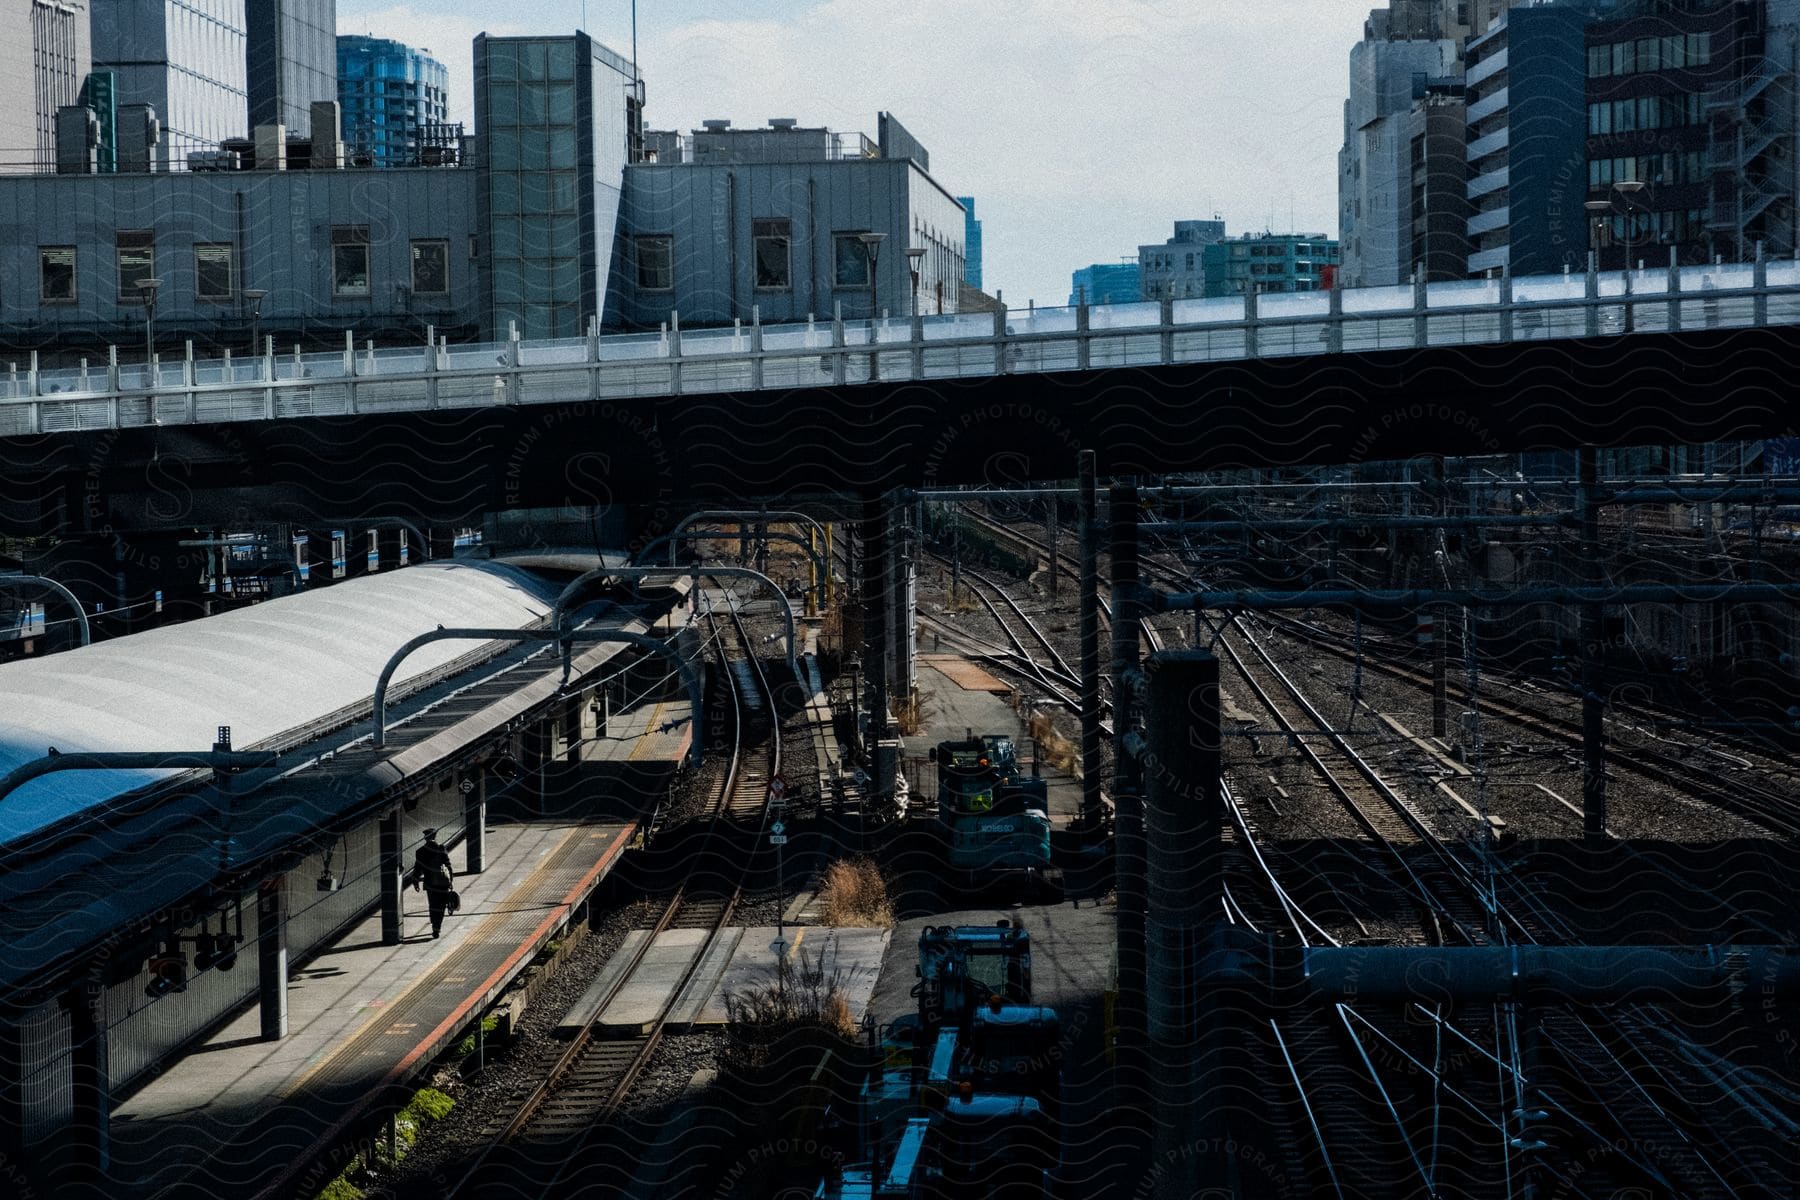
x=1081 y=127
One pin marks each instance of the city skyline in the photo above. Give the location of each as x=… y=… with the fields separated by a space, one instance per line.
x=1025 y=121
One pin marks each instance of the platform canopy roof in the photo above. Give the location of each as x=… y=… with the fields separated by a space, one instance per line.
x=263 y=670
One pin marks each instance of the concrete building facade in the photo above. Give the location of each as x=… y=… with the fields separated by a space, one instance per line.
x=44 y=57
x=557 y=127
x=723 y=220
x=291 y=59
x=186 y=59
x=1527 y=139
x=384 y=253
x=1106 y=283
x=1402 y=147
x=1691 y=132
x=1261 y=263
x=1176 y=268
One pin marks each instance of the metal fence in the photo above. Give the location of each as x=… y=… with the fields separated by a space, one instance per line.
x=836 y=352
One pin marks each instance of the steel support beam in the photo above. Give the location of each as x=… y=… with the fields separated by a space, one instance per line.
x=90 y=1080
x=81 y=620
x=475 y=820
x=698 y=535
x=1183 y=816
x=1546 y=974
x=1401 y=600
x=272 y=957
x=581 y=584
x=392 y=870
x=133 y=760
x=566 y=637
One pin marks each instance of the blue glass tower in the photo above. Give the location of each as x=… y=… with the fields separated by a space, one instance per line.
x=390 y=94
x=971 y=243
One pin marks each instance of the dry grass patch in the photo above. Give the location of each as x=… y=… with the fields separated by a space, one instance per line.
x=854 y=894
x=1053 y=747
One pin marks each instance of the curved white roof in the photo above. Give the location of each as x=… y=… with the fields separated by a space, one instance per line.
x=262 y=670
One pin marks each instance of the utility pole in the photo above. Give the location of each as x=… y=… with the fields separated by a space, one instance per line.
x=1091 y=810
x=1593 y=711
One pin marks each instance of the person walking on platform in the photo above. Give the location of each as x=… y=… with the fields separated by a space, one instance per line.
x=432 y=871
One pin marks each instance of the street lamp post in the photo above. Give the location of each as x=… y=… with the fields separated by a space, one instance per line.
x=1625 y=190
x=255 y=297
x=915 y=258
x=872 y=244
x=147 y=289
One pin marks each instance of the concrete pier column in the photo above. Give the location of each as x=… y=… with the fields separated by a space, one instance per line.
x=272 y=957
x=90 y=1080
x=1183 y=853
x=393 y=874
x=475 y=821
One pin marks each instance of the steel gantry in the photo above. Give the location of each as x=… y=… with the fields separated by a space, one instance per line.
x=565 y=602
x=563 y=636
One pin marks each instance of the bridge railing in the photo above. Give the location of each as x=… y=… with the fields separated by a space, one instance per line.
x=839 y=351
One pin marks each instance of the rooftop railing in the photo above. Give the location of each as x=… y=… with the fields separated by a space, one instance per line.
x=842 y=351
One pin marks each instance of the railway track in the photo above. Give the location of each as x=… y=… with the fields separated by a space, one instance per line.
x=1755 y=802
x=557 y=1131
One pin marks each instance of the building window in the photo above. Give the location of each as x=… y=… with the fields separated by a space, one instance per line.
x=852 y=259
x=213 y=271
x=350 y=260
x=771 y=240
x=137 y=262
x=56 y=274
x=656 y=262
x=430 y=268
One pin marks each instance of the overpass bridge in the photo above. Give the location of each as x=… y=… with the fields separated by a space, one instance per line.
x=440 y=433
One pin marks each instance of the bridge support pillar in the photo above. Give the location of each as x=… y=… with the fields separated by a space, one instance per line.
x=272 y=958
x=475 y=818
x=1183 y=848
x=90 y=1081
x=905 y=609
x=393 y=876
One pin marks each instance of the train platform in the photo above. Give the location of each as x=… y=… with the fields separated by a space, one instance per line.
x=242 y=1116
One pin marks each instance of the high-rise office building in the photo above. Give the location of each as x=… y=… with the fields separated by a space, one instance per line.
x=1402 y=163
x=1527 y=139
x=392 y=96
x=186 y=60
x=291 y=49
x=1691 y=131
x=971 y=243
x=43 y=59
x=1106 y=283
